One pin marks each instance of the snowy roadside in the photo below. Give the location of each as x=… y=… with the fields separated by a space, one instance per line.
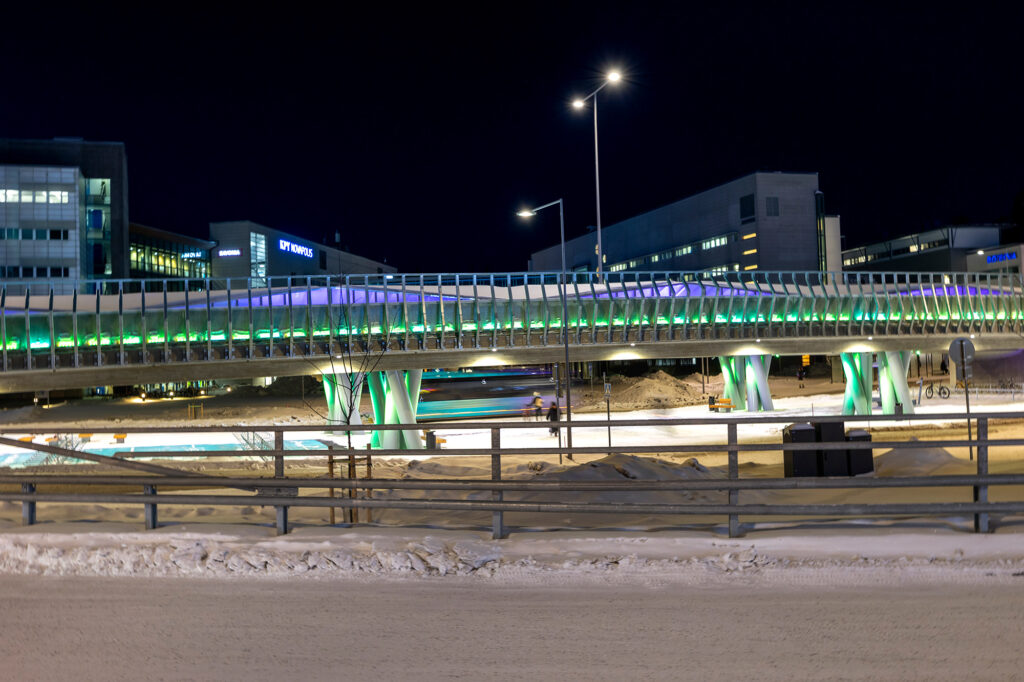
x=814 y=556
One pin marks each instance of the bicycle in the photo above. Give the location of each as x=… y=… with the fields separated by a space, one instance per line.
x=930 y=391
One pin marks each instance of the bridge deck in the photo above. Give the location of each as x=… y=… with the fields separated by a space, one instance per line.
x=176 y=329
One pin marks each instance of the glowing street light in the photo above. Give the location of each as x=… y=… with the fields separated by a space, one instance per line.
x=612 y=77
x=529 y=213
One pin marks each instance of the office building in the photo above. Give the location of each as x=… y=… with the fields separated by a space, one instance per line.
x=762 y=221
x=941 y=250
x=63 y=210
x=248 y=249
x=156 y=253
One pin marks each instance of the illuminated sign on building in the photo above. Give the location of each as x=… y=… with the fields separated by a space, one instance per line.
x=996 y=257
x=229 y=252
x=286 y=245
x=192 y=254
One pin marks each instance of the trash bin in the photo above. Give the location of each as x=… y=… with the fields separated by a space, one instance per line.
x=799 y=462
x=860 y=461
x=831 y=462
x=431 y=440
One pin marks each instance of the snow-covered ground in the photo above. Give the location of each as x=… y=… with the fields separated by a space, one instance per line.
x=228 y=541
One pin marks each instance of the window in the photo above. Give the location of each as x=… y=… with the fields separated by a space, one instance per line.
x=61 y=235
x=750 y=267
x=26 y=233
x=257 y=257
x=747 y=209
x=750 y=236
x=683 y=250
x=713 y=243
x=26 y=196
x=749 y=252
x=41 y=235
x=771 y=207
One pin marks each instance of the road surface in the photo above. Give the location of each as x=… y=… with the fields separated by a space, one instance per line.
x=163 y=629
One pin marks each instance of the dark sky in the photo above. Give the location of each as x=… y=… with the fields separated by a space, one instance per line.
x=417 y=133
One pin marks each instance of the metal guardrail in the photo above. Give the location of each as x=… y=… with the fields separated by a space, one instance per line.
x=282 y=492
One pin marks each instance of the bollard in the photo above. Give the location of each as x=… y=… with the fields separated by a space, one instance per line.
x=151 y=519
x=279 y=459
x=369 y=475
x=734 y=473
x=353 y=515
x=282 y=520
x=496 y=495
x=330 y=474
x=28 y=507
x=981 y=520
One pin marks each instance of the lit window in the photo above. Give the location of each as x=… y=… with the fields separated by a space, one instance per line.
x=41 y=196
x=12 y=195
x=750 y=267
x=63 y=197
x=655 y=258
x=750 y=236
x=54 y=197
x=26 y=196
x=749 y=252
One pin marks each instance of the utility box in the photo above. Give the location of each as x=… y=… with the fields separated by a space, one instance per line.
x=797 y=463
x=832 y=462
x=860 y=461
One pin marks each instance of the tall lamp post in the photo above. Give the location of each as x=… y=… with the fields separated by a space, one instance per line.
x=613 y=77
x=529 y=213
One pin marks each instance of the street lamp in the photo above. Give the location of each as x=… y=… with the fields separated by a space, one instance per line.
x=613 y=77
x=529 y=213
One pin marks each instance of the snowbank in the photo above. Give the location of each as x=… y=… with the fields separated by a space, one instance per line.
x=348 y=553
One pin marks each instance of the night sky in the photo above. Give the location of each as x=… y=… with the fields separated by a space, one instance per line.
x=417 y=134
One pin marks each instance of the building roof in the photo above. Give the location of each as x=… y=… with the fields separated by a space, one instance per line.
x=167 y=236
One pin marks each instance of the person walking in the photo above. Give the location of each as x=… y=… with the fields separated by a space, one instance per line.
x=800 y=374
x=553 y=417
x=538 y=406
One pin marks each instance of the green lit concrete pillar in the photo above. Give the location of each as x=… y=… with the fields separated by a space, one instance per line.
x=759 y=398
x=857 y=368
x=745 y=382
x=395 y=398
x=892 y=381
x=734 y=385
x=343 y=392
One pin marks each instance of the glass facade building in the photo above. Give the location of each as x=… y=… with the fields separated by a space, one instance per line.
x=155 y=253
x=63 y=210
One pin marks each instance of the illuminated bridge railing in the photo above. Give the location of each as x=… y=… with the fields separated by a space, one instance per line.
x=46 y=326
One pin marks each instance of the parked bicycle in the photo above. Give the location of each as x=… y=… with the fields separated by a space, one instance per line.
x=942 y=390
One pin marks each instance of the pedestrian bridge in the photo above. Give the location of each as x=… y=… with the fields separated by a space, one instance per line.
x=55 y=335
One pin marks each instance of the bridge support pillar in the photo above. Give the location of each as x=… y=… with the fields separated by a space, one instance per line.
x=745 y=382
x=395 y=396
x=892 y=380
x=343 y=392
x=857 y=368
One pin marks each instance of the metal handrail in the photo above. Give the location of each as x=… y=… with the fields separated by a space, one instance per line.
x=281 y=492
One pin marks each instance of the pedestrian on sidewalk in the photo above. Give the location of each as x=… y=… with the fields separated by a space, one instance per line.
x=553 y=417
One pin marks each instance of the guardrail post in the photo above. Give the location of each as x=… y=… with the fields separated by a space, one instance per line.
x=496 y=495
x=28 y=507
x=981 y=491
x=734 y=473
x=279 y=459
x=282 y=519
x=151 y=520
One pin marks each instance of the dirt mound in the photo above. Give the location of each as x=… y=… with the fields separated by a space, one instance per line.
x=657 y=390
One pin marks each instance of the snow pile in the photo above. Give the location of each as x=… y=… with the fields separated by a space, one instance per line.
x=922 y=461
x=342 y=553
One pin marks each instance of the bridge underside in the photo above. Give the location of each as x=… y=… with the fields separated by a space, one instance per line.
x=275 y=360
